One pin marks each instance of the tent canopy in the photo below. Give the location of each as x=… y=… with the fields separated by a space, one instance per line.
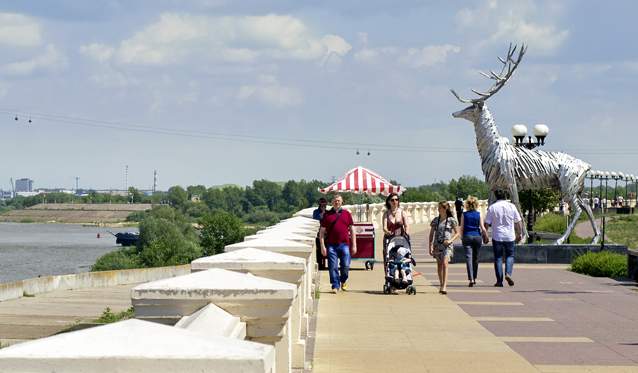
x=362 y=180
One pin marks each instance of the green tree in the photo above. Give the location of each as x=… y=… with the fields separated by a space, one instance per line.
x=177 y=196
x=134 y=195
x=196 y=191
x=293 y=195
x=218 y=230
x=468 y=186
x=167 y=238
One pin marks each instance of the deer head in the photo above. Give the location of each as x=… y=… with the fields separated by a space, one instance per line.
x=472 y=112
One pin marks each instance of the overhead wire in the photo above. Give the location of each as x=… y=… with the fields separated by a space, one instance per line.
x=292 y=142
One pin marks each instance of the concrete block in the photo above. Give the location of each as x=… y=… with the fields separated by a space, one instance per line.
x=272 y=243
x=136 y=346
x=282 y=234
x=274 y=266
x=263 y=304
x=213 y=321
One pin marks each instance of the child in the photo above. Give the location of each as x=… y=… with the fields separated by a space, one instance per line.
x=401 y=262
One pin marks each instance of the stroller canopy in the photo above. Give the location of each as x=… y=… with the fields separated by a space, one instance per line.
x=362 y=180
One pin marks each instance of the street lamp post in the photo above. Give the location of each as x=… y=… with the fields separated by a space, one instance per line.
x=519 y=132
x=606 y=176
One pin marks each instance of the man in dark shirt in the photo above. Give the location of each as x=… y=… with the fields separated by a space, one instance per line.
x=318 y=215
x=336 y=234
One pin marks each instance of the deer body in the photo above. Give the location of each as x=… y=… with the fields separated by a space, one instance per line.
x=513 y=168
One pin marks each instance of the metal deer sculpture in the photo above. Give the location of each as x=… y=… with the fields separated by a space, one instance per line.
x=513 y=168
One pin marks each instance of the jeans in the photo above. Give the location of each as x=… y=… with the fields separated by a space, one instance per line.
x=501 y=247
x=472 y=245
x=338 y=269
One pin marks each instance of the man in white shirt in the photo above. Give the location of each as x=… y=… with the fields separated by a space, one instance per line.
x=507 y=226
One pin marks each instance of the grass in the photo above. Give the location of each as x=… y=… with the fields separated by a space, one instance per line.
x=601 y=264
x=556 y=223
x=109 y=317
x=622 y=230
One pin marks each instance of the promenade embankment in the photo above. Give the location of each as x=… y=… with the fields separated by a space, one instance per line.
x=87 y=280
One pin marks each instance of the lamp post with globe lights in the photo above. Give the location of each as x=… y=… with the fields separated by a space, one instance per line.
x=519 y=132
x=606 y=175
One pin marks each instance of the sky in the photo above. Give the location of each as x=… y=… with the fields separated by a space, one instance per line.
x=216 y=91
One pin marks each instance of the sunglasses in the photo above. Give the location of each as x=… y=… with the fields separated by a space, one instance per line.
x=394 y=199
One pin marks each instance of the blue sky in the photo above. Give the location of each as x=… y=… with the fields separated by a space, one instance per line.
x=214 y=91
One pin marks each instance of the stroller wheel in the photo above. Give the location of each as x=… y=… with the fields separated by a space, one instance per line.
x=367 y=266
x=385 y=289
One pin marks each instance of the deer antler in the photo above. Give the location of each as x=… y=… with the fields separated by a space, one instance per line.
x=509 y=66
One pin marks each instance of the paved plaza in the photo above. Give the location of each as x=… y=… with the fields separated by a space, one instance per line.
x=552 y=320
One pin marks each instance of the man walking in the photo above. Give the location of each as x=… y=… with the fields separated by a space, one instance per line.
x=318 y=214
x=507 y=226
x=337 y=231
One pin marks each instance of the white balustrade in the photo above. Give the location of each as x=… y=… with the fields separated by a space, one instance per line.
x=263 y=304
x=274 y=266
x=137 y=346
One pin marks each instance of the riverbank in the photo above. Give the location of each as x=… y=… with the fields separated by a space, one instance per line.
x=75 y=213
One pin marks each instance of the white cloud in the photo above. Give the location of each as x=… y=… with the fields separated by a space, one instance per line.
x=421 y=57
x=50 y=60
x=520 y=21
x=177 y=38
x=97 y=51
x=268 y=91
x=17 y=30
x=427 y=56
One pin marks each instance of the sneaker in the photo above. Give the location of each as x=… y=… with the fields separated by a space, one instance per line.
x=471 y=284
x=498 y=285
x=509 y=280
x=335 y=290
x=344 y=287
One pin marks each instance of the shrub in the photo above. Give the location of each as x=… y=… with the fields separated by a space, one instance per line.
x=220 y=229
x=120 y=259
x=601 y=264
x=108 y=316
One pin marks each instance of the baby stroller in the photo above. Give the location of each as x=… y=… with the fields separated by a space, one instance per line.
x=399 y=258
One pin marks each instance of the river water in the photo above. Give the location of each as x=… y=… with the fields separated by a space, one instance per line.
x=32 y=250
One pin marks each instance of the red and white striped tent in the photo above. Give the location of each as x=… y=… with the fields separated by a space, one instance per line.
x=362 y=180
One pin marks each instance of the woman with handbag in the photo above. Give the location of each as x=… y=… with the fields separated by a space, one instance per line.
x=444 y=229
x=474 y=234
x=395 y=223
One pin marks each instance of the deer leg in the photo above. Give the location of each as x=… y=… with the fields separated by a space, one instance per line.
x=517 y=203
x=592 y=220
x=573 y=204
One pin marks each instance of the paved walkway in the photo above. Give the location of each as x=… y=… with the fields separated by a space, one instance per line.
x=49 y=313
x=552 y=320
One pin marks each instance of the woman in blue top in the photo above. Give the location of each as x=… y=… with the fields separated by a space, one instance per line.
x=473 y=233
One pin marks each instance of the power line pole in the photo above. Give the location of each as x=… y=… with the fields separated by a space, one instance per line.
x=154 y=181
x=126 y=181
x=77 y=184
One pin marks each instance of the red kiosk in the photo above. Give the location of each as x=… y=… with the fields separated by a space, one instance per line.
x=362 y=180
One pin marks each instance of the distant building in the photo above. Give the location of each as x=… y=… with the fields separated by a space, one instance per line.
x=24 y=185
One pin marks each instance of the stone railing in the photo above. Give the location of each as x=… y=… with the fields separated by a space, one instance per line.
x=246 y=310
x=417 y=212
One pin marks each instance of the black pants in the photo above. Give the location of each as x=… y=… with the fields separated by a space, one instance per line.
x=472 y=245
x=321 y=260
